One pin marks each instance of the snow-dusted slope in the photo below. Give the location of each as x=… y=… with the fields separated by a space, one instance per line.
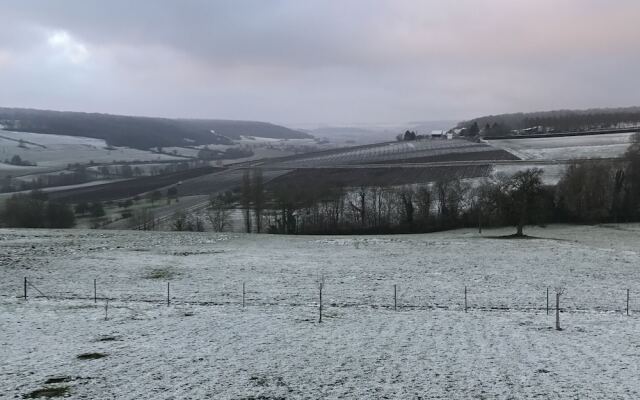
x=205 y=345
x=566 y=148
x=57 y=151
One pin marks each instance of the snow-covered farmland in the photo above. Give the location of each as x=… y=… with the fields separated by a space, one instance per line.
x=52 y=152
x=552 y=173
x=567 y=148
x=386 y=152
x=204 y=345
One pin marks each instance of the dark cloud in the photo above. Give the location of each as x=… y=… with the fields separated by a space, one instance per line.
x=317 y=60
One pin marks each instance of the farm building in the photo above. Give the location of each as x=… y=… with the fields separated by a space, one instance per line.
x=440 y=134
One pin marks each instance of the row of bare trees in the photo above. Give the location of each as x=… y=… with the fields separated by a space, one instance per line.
x=588 y=192
x=252 y=198
x=441 y=205
x=592 y=192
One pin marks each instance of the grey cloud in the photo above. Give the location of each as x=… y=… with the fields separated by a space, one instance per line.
x=322 y=60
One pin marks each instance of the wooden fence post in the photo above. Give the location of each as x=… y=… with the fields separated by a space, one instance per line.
x=25 y=287
x=95 y=292
x=627 y=301
x=465 y=299
x=547 y=301
x=320 y=309
x=395 y=297
x=558 y=311
x=106 y=310
x=168 y=298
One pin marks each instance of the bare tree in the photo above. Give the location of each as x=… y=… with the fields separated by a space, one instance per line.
x=179 y=222
x=520 y=198
x=245 y=199
x=172 y=192
x=631 y=200
x=450 y=195
x=154 y=196
x=361 y=207
x=423 y=200
x=408 y=209
x=187 y=222
x=258 y=197
x=219 y=213
x=143 y=219
x=195 y=223
x=617 y=200
x=587 y=191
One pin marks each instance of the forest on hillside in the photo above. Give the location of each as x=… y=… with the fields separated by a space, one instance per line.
x=553 y=121
x=140 y=132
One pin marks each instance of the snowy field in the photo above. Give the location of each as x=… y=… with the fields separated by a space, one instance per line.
x=552 y=173
x=205 y=345
x=566 y=148
x=52 y=152
x=391 y=151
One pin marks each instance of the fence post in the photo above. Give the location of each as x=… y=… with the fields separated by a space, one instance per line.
x=168 y=298
x=547 y=301
x=95 y=292
x=558 y=311
x=627 y=301
x=25 y=287
x=395 y=297
x=320 y=309
x=106 y=310
x=243 y=292
x=465 y=299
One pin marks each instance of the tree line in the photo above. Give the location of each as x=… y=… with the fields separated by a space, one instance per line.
x=589 y=192
x=34 y=210
x=558 y=121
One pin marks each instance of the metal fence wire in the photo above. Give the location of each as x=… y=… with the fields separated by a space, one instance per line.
x=345 y=294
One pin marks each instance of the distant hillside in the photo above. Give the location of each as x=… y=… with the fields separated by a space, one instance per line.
x=139 y=132
x=557 y=121
x=372 y=133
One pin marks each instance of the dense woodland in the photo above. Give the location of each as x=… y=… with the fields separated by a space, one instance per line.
x=34 y=210
x=140 y=132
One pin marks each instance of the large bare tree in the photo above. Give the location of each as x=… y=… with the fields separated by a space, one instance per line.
x=245 y=199
x=257 y=191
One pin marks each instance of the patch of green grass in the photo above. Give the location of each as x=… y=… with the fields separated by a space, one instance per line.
x=57 y=379
x=48 y=393
x=108 y=339
x=160 y=273
x=514 y=236
x=91 y=356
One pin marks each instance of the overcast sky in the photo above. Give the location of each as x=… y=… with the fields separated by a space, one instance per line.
x=319 y=61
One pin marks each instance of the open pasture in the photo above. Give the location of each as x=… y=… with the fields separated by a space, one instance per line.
x=55 y=152
x=421 y=345
x=567 y=148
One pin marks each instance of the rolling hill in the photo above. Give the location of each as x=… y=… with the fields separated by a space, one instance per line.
x=559 y=120
x=140 y=132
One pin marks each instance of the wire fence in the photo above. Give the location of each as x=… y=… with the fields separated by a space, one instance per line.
x=377 y=294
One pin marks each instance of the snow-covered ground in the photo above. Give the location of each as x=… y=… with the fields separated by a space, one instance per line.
x=52 y=152
x=552 y=173
x=567 y=148
x=257 y=140
x=204 y=345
